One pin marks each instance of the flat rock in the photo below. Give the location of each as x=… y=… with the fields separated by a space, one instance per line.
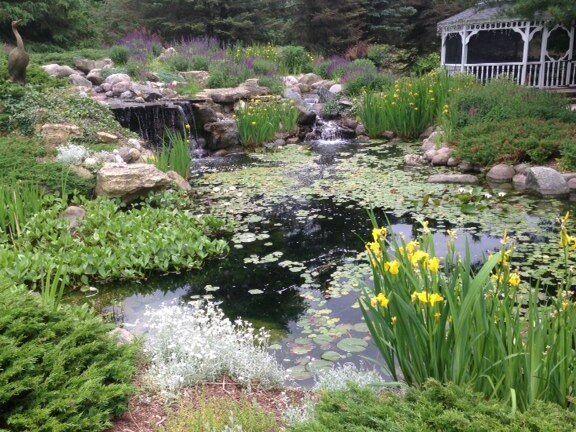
x=86 y=65
x=546 y=181
x=501 y=173
x=107 y=138
x=79 y=80
x=453 y=179
x=130 y=181
x=248 y=90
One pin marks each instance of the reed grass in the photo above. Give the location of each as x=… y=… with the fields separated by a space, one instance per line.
x=175 y=154
x=407 y=108
x=260 y=121
x=52 y=288
x=446 y=321
x=17 y=203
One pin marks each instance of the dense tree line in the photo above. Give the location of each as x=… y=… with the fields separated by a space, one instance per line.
x=321 y=25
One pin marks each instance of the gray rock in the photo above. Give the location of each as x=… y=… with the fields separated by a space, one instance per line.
x=546 y=181
x=106 y=137
x=126 y=95
x=453 y=162
x=572 y=184
x=429 y=154
x=442 y=156
x=57 y=71
x=414 y=160
x=82 y=172
x=453 y=179
x=519 y=181
x=79 y=80
x=501 y=173
x=568 y=176
x=86 y=65
x=336 y=89
x=122 y=336
x=248 y=90
x=307 y=117
x=129 y=154
x=428 y=145
x=363 y=139
x=465 y=167
x=280 y=142
x=117 y=78
x=427 y=132
x=325 y=96
x=121 y=87
x=74 y=215
x=309 y=79
x=95 y=76
x=360 y=129
x=521 y=168
x=222 y=135
x=293 y=95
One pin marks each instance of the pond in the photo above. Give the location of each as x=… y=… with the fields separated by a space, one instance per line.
x=296 y=265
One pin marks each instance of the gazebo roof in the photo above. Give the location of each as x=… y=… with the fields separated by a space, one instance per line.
x=476 y=15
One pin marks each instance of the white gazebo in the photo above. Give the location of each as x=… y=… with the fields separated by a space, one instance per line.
x=487 y=43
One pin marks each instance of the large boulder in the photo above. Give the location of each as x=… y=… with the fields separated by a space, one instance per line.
x=86 y=65
x=248 y=90
x=546 y=181
x=453 y=179
x=309 y=79
x=222 y=135
x=57 y=71
x=117 y=78
x=501 y=173
x=95 y=76
x=130 y=181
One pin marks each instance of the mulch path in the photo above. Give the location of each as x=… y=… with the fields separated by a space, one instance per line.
x=148 y=412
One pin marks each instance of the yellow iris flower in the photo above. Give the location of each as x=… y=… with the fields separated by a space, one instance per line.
x=379 y=233
x=514 y=279
x=392 y=267
x=434 y=265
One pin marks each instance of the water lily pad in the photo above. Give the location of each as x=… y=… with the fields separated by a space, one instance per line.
x=352 y=345
x=299 y=373
x=331 y=356
x=318 y=365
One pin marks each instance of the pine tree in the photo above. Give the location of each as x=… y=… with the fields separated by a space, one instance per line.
x=388 y=21
x=328 y=26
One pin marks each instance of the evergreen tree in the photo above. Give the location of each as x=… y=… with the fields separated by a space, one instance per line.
x=328 y=26
x=388 y=21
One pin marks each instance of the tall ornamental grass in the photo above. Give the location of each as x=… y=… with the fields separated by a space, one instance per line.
x=175 y=154
x=442 y=319
x=17 y=204
x=260 y=121
x=408 y=107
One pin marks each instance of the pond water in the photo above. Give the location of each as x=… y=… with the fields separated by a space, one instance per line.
x=296 y=265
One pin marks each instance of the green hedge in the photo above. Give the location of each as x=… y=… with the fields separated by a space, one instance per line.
x=518 y=140
x=435 y=408
x=59 y=370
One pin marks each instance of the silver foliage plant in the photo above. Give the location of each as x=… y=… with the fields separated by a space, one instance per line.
x=341 y=377
x=195 y=343
x=72 y=154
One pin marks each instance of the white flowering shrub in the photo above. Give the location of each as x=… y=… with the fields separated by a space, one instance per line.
x=195 y=343
x=72 y=154
x=341 y=377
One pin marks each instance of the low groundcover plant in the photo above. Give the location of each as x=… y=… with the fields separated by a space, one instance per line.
x=195 y=343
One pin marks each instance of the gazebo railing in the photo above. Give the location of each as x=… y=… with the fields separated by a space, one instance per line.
x=550 y=74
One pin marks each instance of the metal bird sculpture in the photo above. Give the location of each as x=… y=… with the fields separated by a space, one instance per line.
x=18 y=58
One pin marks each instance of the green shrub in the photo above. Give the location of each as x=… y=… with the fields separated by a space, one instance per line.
x=179 y=63
x=295 y=60
x=200 y=63
x=60 y=369
x=135 y=69
x=19 y=162
x=273 y=83
x=68 y=57
x=220 y=414
x=189 y=89
x=370 y=82
x=390 y=58
x=463 y=324
x=502 y=99
x=434 y=408
x=517 y=140
x=259 y=122
x=111 y=244
x=427 y=64
x=227 y=74
x=119 y=55
x=264 y=67
x=568 y=161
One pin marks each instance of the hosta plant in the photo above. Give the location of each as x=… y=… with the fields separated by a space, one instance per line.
x=451 y=321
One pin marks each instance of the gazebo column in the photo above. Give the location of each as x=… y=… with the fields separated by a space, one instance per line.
x=443 y=49
x=464 y=37
x=543 y=53
x=527 y=35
